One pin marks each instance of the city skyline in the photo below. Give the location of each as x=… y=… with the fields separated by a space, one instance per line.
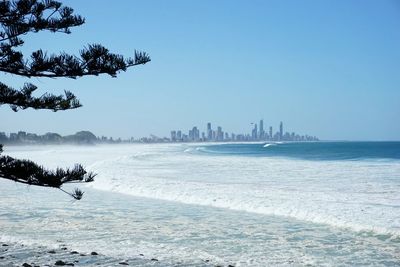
x=257 y=134
x=312 y=64
x=192 y=135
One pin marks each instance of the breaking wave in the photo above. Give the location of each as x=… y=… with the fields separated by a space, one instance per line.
x=355 y=195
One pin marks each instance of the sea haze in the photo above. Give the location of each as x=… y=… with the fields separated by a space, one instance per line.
x=317 y=203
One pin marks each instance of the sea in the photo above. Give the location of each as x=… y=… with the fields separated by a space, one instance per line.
x=210 y=204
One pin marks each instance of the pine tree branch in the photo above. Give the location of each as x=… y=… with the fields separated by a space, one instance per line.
x=23 y=16
x=93 y=60
x=77 y=194
x=23 y=99
x=28 y=172
x=18 y=18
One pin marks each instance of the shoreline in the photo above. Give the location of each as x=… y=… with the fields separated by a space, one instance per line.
x=15 y=254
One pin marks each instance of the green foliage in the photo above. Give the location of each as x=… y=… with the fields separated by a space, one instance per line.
x=18 y=18
x=28 y=172
x=23 y=99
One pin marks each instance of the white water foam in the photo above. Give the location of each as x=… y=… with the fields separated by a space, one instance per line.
x=361 y=196
x=269 y=144
x=322 y=197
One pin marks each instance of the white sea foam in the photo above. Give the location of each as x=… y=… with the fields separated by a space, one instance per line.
x=268 y=145
x=361 y=196
x=193 y=206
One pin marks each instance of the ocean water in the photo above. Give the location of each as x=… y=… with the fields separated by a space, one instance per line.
x=258 y=204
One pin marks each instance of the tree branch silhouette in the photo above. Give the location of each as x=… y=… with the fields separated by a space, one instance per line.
x=19 y=18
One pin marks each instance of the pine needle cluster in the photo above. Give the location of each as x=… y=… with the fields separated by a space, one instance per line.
x=19 y=18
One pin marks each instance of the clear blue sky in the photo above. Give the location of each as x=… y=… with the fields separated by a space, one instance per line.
x=326 y=68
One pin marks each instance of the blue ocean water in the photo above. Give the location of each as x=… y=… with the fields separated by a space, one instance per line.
x=312 y=150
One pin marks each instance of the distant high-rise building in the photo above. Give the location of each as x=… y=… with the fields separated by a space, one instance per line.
x=281 y=131
x=194 y=134
x=209 y=131
x=220 y=134
x=262 y=133
x=179 y=135
x=173 y=136
x=254 y=132
x=270 y=132
x=13 y=137
x=21 y=135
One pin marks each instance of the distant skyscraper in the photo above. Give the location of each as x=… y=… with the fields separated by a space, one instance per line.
x=179 y=135
x=262 y=133
x=281 y=131
x=220 y=134
x=209 y=131
x=270 y=132
x=173 y=135
x=21 y=135
x=195 y=134
x=254 y=133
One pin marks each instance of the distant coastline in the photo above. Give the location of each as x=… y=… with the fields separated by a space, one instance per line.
x=257 y=134
x=89 y=138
